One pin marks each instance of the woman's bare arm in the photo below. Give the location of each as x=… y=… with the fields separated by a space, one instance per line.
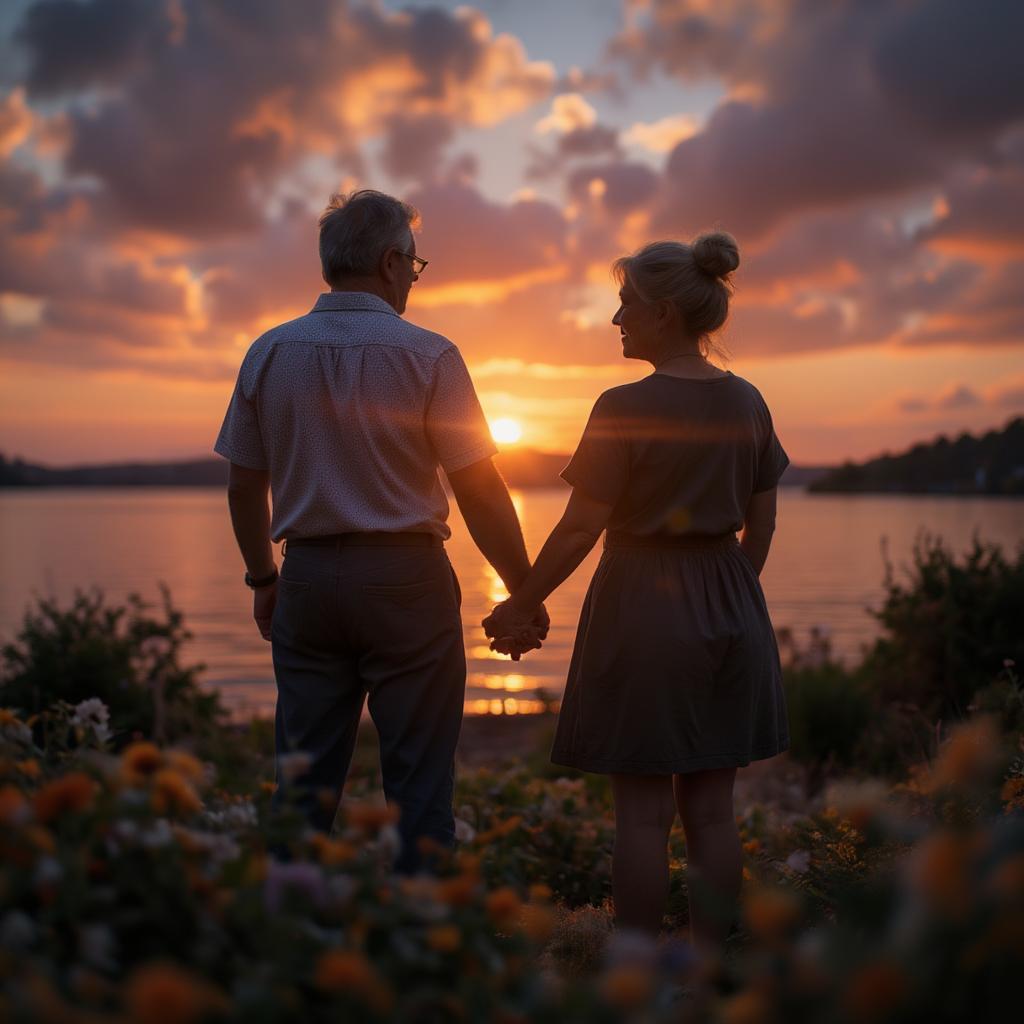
x=758 y=527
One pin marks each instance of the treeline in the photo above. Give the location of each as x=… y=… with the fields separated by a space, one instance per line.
x=990 y=464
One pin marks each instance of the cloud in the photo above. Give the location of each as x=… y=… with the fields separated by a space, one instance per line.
x=569 y=112
x=662 y=135
x=189 y=123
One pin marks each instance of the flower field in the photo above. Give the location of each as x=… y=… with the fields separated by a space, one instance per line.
x=145 y=876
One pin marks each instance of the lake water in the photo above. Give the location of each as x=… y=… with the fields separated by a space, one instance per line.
x=825 y=570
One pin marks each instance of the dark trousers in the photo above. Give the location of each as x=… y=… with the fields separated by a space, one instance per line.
x=382 y=623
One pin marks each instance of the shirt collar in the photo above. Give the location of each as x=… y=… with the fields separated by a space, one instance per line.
x=333 y=301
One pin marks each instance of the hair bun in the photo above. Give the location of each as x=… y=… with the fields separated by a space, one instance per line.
x=716 y=253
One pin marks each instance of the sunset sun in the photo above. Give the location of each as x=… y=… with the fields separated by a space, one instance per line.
x=506 y=430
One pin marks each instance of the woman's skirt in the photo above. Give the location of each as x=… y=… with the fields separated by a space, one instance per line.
x=675 y=667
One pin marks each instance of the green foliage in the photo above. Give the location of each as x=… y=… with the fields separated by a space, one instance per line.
x=125 y=656
x=949 y=629
x=829 y=709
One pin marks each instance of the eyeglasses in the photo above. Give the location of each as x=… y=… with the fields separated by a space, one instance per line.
x=418 y=265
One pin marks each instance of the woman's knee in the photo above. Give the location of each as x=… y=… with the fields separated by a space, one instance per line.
x=644 y=801
x=705 y=798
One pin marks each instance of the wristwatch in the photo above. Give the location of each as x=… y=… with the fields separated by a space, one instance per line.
x=263 y=581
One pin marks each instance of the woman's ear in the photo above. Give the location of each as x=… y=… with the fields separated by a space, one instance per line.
x=666 y=314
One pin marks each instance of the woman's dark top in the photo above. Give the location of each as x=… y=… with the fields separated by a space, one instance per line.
x=676 y=456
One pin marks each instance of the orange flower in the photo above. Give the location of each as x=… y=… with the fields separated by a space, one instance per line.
x=540 y=893
x=970 y=755
x=537 y=922
x=174 y=795
x=458 y=891
x=348 y=972
x=140 y=762
x=331 y=851
x=14 y=809
x=749 y=1007
x=163 y=993
x=939 y=872
x=1012 y=794
x=41 y=838
x=30 y=768
x=875 y=991
x=370 y=816
x=503 y=906
x=628 y=987
x=770 y=913
x=444 y=938
x=187 y=765
x=752 y=846
x=70 y=794
x=269 y=788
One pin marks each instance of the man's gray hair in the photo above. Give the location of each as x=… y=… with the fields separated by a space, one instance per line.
x=355 y=230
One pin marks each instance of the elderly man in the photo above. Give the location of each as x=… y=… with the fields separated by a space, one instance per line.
x=345 y=415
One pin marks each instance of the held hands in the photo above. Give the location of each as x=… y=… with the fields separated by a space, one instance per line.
x=513 y=631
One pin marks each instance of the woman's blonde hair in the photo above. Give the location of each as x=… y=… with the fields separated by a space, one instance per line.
x=696 y=277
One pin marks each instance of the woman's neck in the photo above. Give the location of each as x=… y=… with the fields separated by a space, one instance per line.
x=688 y=363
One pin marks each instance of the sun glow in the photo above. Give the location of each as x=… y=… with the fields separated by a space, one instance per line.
x=506 y=431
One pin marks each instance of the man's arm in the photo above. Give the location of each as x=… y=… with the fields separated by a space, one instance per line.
x=491 y=520
x=250 y=518
x=758 y=527
x=494 y=526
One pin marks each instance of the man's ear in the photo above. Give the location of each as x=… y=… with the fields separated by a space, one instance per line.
x=386 y=266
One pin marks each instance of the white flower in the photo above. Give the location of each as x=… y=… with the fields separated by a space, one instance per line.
x=464 y=832
x=97 y=946
x=159 y=835
x=93 y=715
x=293 y=766
x=48 y=871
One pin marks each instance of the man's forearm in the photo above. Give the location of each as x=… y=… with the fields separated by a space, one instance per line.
x=494 y=526
x=250 y=519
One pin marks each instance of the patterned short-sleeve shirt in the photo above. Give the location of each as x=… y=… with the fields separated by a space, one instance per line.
x=351 y=410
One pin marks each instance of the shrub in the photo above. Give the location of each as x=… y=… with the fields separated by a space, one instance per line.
x=949 y=628
x=123 y=656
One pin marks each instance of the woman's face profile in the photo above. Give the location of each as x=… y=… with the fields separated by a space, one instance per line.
x=636 y=323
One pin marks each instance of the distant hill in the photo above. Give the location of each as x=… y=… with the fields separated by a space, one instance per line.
x=521 y=467
x=990 y=464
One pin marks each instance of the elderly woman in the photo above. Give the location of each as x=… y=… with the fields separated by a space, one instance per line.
x=675 y=677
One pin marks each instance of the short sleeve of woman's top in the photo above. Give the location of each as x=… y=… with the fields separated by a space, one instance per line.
x=771 y=462
x=600 y=465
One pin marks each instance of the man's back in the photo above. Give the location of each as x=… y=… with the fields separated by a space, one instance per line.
x=351 y=410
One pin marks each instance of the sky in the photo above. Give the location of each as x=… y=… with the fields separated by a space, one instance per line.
x=163 y=164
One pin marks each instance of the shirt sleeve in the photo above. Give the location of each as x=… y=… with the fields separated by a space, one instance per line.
x=240 y=440
x=455 y=422
x=600 y=465
x=771 y=461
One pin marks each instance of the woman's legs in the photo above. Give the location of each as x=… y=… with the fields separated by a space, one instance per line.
x=644 y=812
x=713 y=853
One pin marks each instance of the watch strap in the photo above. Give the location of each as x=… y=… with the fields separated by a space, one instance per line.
x=264 y=581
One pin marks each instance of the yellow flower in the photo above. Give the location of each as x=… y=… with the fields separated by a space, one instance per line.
x=503 y=906
x=444 y=938
x=875 y=991
x=628 y=987
x=140 y=762
x=173 y=794
x=70 y=794
x=348 y=972
x=163 y=993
